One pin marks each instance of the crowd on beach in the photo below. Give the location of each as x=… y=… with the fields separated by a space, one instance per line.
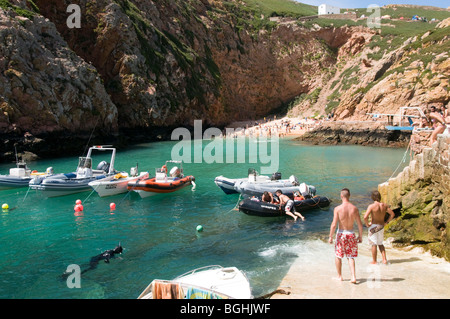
x=434 y=117
x=275 y=127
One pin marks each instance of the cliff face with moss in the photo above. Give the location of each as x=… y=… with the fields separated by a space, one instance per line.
x=420 y=195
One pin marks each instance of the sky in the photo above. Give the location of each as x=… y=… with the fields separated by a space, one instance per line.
x=366 y=3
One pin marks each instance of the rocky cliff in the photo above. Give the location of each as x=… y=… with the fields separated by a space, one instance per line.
x=135 y=69
x=136 y=66
x=420 y=196
x=398 y=66
x=46 y=90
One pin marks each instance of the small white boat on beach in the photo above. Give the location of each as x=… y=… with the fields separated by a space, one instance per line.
x=210 y=282
x=117 y=184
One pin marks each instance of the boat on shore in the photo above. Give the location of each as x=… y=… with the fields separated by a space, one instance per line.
x=118 y=183
x=210 y=282
x=78 y=181
x=227 y=185
x=163 y=182
x=256 y=207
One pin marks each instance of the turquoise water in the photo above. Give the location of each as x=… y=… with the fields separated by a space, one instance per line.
x=41 y=237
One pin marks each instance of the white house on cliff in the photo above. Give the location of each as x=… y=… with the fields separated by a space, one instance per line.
x=327 y=9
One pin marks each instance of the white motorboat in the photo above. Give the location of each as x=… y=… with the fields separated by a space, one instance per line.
x=118 y=183
x=20 y=176
x=228 y=184
x=210 y=282
x=76 y=182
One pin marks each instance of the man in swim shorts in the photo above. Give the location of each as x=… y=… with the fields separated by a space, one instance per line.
x=346 y=244
x=377 y=212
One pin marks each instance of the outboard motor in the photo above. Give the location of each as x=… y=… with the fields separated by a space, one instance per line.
x=293 y=180
x=103 y=166
x=276 y=176
x=49 y=171
x=307 y=191
x=133 y=171
x=312 y=190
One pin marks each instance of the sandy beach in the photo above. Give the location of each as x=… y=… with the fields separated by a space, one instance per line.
x=410 y=274
x=282 y=127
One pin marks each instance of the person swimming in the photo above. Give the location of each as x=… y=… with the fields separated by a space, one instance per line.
x=93 y=262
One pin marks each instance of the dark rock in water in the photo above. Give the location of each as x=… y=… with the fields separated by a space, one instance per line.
x=359 y=133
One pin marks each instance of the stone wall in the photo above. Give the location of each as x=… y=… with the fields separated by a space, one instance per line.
x=420 y=196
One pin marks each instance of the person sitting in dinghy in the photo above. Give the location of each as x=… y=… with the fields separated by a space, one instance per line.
x=289 y=208
x=268 y=197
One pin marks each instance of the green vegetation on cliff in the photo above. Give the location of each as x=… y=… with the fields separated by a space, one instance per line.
x=284 y=8
x=5 y=4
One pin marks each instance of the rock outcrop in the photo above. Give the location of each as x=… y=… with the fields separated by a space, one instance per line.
x=142 y=65
x=415 y=73
x=137 y=69
x=46 y=89
x=356 y=133
x=168 y=63
x=420 y=195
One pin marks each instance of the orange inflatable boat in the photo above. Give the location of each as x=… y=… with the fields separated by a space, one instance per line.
x=163 y=182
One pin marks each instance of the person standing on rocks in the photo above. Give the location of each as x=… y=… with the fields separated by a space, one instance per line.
x=438 y=123
x=345 y=215
x=377 y=212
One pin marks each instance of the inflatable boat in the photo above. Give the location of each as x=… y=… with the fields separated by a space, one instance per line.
x=78 y=181
x=227 y=185
x=287 y=186
x=20 y=176
x=256 y=207
x=162 y=182
x=117 y=184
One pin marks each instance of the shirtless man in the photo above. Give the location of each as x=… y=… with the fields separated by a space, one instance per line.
x=438 y=123
x=345 y=216
x=377 y=211
x=289 y=208
x=267 y=197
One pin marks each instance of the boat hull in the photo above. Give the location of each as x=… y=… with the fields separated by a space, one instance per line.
x=61 y=185
x=258 y=189
x=227 y=185
x=204 y=283
x=263 y=209
x=111 y=186
x=151 y=187
x=8 y=182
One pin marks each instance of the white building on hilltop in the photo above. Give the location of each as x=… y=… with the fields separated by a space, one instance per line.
x=327 y=9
